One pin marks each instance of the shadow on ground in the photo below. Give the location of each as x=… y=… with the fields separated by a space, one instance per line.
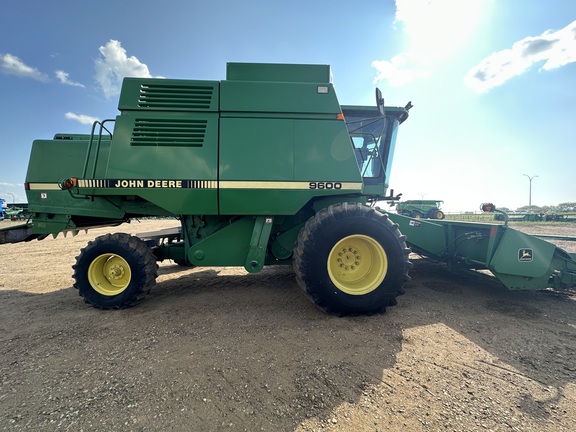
x=247 y=352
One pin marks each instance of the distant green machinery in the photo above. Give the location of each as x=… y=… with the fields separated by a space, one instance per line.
x=421 y=209
x=537 y=217
x=16 y=212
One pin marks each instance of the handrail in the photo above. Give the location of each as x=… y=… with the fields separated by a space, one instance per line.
x=89 y=150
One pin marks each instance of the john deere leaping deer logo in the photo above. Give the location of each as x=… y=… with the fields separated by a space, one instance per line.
x=525 y=255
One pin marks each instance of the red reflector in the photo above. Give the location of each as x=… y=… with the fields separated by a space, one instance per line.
x=492 y=231
x=26 y=186
x=340 y=116
x=70 y=183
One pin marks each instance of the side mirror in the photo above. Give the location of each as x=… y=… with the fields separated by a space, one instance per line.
x=488 y=207
x=379 y=101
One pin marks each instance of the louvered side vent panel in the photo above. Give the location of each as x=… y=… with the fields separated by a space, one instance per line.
x=175 y=97
x=169 y=132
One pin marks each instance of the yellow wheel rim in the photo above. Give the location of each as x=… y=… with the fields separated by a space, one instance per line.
x=109 y=274
x=357 y=264
x=439 y=215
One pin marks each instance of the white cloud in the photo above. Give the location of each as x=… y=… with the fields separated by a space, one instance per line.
x=81 y=118
x=435 y=30
x=63 y=78
x=114 y=65
x=12 y=65
x=555 y=49
x=394 y=71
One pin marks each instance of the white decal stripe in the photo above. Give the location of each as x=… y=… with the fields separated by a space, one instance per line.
x=212 y=184
x=44 y=186
x=285 y=185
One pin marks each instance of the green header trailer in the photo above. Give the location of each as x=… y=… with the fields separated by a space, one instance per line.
x=518 y=260
x=262 y=168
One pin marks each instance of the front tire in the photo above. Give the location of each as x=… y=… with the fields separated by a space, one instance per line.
x=115 y=271
x=436 y=214
x=351 y=260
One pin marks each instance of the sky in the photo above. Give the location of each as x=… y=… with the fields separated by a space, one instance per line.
x=493 y=82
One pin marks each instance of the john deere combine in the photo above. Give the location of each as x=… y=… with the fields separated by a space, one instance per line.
x=265 y=167
x=420 y=209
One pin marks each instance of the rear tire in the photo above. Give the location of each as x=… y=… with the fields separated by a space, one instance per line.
x=115 y=271
x=351 y=260
x=416 y=214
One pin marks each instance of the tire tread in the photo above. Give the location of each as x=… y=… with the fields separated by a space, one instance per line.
x=145 y=262
x=304 y=248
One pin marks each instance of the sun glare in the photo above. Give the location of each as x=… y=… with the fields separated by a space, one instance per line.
x=437 y=29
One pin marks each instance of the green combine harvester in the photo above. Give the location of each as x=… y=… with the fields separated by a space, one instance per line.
x=263 y=168
x=420 y=209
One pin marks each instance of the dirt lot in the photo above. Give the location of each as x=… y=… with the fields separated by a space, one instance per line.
x=218 y=349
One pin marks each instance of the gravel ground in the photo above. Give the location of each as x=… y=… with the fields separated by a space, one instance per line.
x=215 y=349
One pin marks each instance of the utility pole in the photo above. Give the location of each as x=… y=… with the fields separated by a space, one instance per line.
x=530 y=192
